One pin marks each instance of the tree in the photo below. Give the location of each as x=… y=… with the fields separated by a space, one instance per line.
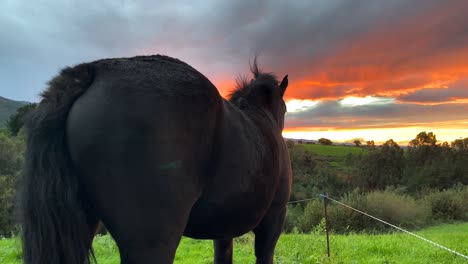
x=423 y=149
x=382 y=167
x=11 y=160
x=357 y=142
x=16 y=121
x=460 y=144
x=370 y=144
x=424 y=139
x=325 y=141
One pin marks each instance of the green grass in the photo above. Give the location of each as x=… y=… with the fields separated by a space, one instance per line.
x=304 y=249
x=333 y=156
x=333 y=151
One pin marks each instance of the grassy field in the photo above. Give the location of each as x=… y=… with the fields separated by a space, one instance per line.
x=333 y=151
x=304 y=249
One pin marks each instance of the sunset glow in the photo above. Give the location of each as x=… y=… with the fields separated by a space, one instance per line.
x=379 y=135
x=390 y=82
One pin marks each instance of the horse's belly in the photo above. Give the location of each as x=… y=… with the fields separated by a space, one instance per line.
x=208 y=221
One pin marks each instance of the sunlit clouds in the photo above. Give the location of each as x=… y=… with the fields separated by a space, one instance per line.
x=357 y=69
x=368 y=100
x=299 y=105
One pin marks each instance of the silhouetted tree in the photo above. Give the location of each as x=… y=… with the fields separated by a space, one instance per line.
x=423 y=149
x=325 y=141
x=424 y=139
x=370 y=144
x=357 y=142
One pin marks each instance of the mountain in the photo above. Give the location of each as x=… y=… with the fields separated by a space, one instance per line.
x=7 y=108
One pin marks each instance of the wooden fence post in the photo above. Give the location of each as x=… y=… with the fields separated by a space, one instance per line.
x=325 y=203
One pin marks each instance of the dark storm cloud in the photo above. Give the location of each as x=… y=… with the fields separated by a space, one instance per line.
x=40 y=37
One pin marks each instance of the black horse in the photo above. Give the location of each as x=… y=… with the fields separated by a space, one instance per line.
x=149 y=147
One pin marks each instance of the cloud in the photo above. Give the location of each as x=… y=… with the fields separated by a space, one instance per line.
x=328 y=41
x=427 y=49
x=415 y=55
x=332 y=115
x=455 y=92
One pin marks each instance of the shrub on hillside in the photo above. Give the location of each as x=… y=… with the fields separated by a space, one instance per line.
x=448 y=205
x=391 y=206
x=7 y=198
x=313 y=214
x=343 y=219
x=397 y=209
x=292 y=218
x=11 y=160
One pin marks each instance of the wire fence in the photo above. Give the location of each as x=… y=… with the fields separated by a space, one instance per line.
x=304 y=200
x=324 y=196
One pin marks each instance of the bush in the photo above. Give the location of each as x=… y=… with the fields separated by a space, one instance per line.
x=11 y=160
x=313 y=214
x=397 y=209
x=7 y=198
x=343 y=219
x=448 y=205
x=292 y=218
x=394 y=208
x=390 y=206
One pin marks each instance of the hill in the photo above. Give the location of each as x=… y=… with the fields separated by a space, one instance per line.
x=7 y=108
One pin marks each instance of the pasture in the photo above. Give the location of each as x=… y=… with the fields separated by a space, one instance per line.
x=306 y=248
x=333 y=150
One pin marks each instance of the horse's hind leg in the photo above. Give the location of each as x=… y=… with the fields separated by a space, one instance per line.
x=146 y=208
x=223 y=251
x=267 y=234
x=149 y=238
x=148 y=253
x=158 y=245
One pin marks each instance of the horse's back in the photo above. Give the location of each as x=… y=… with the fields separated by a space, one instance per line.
x=142 y=139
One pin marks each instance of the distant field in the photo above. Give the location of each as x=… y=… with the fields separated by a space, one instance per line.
x=333 y=151
x=305 y=249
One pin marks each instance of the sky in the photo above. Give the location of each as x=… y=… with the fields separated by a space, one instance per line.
x=372 y=69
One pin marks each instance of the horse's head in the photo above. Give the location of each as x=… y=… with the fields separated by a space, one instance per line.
x=264 y=91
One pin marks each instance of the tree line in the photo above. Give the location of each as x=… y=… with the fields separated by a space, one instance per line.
x=422 y=184
x=424 y=164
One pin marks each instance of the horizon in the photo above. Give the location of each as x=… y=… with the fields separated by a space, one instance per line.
x=376 y=70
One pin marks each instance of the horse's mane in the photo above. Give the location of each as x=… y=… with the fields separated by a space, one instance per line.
x=243 y=86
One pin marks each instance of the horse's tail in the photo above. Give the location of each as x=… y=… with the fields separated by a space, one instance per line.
x=54 y=225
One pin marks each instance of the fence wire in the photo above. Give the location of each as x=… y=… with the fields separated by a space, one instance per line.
x=396 y=227
x=304 y=200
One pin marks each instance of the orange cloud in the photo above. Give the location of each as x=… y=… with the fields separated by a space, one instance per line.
x=427 y=51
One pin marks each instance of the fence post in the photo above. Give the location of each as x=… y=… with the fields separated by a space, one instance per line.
x=325 y=203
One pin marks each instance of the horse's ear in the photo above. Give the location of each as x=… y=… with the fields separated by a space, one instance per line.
x=284 y=85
